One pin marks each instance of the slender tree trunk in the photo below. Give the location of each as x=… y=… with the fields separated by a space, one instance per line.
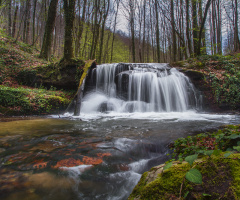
x=203 y=44
x=132 y=25
x=214 y=27
x=33 y=25
x=173 y=32
x=69 y=15
x=47 y=40
x=202 y=26
x=114 y=30
x=219 y=28
x=10 y=18
x=236 y=37
x=157 y=31
x=14 y=22
x=96 y=26
x=187 y=29
x=144 y=31
x=81 y=25
x=103 y=29
x=194 y=26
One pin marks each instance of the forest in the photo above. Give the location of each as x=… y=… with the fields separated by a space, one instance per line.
x=119 y=99
x=123 y=30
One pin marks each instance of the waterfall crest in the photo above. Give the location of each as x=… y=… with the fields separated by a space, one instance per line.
x=139 y=88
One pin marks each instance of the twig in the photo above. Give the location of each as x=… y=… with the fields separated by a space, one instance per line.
x=181 y=188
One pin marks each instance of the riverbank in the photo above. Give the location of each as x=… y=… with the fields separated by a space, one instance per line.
x=206 y=167
x=30 y=85
x=218 y=77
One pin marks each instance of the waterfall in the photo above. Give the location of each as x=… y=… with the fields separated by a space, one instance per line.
x=139 y=88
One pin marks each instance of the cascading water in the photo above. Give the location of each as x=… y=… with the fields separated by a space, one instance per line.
x=140 y=88
x=129 y=115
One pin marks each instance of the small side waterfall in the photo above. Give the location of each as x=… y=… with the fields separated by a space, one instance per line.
x=139 y=88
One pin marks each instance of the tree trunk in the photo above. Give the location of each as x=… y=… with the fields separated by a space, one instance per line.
x=33 y=25
x=103 y=29
x=202 y=26
x=157 y=31
x=219 y=28
x=14 y=22
x=236 y=38
x=10 y=18
x=114 y=30
x=49 y=27
x=132 y=25
x=80 y=31
x=195 y=27
x=174 y=51
x=187 y=29
x=69 y=14
x=144 y=31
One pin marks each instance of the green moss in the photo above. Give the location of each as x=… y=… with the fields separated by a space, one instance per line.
x=165 y=186
x=235 y=171
x=31 y=101
x=85 y=70
x=137 y=190
x=221 y=180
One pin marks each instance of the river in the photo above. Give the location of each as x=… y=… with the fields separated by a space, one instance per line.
x=93 y=156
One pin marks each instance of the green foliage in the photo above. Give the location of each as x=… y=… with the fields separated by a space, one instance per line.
x=167 y=166
x=227 y=88
x=32 y=101
x=191 y=159
x=194 y=176
x=208 y=143
x=214 y=177
x=25 y=47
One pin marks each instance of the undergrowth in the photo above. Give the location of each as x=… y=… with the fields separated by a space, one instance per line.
x=21 y=100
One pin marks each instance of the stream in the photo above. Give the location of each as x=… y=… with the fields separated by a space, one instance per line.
x=129 y=115
x=95 y=156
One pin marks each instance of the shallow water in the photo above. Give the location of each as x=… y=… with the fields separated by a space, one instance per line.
x=94 y=156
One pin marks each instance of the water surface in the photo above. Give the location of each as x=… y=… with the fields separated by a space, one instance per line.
x=94 y=156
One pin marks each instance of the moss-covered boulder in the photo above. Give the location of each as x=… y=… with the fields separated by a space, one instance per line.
x=61 y=75
x=220 y=180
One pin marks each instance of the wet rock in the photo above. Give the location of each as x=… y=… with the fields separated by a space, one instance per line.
x=47 y=180
x=47 y=146
x=105 y=107
x=121 y=67
x=122 y=83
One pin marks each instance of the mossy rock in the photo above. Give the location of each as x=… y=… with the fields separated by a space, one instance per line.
x=62 y=75
x=220 y=176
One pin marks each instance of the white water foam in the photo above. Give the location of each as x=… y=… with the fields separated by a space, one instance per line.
x=153 y=116
x=129 y=178
x=75 y=171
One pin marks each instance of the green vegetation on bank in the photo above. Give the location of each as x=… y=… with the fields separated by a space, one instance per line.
x=207 y=167
x=19 y=101
x=21 y=91
x=222 y=73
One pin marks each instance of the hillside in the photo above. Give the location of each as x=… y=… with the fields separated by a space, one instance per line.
x=17 y=97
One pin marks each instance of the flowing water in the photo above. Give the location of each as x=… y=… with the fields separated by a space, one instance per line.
x=129 y=115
